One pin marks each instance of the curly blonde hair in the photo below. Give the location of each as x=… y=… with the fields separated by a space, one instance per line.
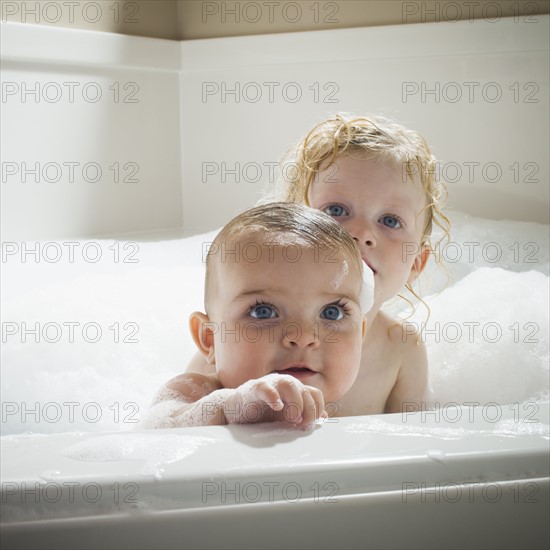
x=377 y=137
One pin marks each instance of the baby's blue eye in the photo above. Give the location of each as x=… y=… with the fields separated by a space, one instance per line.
x=262 y=311
x=391 y=222
x=335 y=210
x=332 y=313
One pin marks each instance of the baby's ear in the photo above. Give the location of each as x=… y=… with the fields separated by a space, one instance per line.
x=202 y=331
x=419 y=263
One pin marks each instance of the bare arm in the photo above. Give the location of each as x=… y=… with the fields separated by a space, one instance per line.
x=411 y=387
x=177 y=402
x=199 y=400
x=187 y=400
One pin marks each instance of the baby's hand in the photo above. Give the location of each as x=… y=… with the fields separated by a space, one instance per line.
x=275 y=397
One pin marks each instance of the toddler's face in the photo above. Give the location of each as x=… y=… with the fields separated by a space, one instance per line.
x=300 y=318
x=383 y=213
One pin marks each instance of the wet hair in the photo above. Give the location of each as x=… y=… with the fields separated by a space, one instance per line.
x=281 y=223
x=372 y=137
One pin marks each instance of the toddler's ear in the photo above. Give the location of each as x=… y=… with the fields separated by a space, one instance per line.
x=419 y=263
x=203 y=335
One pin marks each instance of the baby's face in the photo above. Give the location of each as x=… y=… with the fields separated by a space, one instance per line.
x=285 y=315
x=381 y=211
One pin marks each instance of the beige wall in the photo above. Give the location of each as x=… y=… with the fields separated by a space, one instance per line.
x=192 y=19
x=208 y=19
x=154 y=18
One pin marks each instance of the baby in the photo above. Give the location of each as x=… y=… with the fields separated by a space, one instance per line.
x=286 y=293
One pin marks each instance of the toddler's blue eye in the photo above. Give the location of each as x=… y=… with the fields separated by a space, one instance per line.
x=335 y=210
x=391 y=221
x=262 y=311
x=332 y=313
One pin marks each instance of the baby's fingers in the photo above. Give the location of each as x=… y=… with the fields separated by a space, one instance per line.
x=292 y=393
x=309 y=412
x=270 y=395
x=314 y=405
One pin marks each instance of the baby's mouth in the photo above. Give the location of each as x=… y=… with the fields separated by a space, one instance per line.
x=298 y=371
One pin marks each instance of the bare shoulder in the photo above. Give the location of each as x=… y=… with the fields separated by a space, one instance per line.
x=412 y=376
x=188 y=387
x=403 y=335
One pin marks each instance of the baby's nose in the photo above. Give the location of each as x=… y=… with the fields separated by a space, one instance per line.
x=301 y=335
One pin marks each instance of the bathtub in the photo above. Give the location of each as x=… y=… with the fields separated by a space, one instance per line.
x=449 y=478
x=100 y=276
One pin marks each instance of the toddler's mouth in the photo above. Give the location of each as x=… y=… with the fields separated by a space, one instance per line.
x=370 y=265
